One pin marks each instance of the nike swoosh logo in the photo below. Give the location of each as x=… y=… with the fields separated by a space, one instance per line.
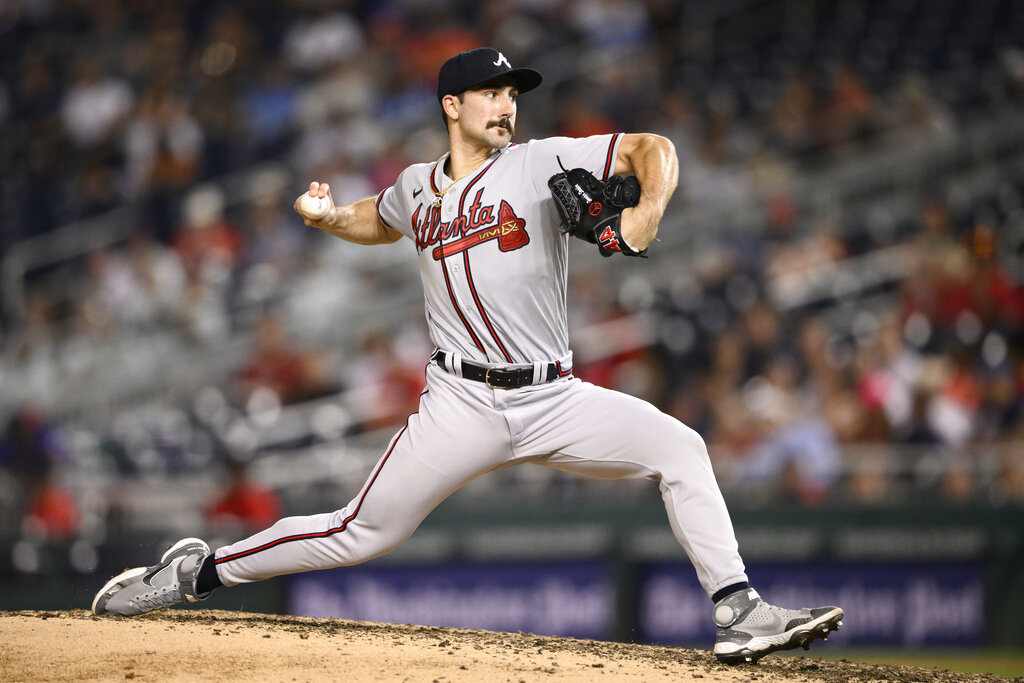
x=416 y=193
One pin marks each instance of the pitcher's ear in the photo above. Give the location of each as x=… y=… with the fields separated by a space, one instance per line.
x=449 y=103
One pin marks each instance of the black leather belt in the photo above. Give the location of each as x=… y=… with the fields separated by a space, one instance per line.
x=499 y=378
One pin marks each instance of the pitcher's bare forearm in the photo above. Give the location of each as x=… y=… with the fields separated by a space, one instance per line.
x=652 y=159
x=357 y=222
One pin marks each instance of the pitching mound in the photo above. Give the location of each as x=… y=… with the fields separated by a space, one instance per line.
x=207 y=645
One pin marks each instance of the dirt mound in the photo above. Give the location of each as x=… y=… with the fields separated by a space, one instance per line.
x=199 y=645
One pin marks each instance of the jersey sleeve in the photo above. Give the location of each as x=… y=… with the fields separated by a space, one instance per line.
x=391 y=206
x=596 y=153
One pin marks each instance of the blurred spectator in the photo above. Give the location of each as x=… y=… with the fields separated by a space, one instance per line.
x=821 y=368
x=852 y=113
x=1008 y=487
x=716 y=172
x=343 y=174
x=792 y=120
x=275 y=234
x=36 y=98
x=103 y=292
x=870 y=475
x=440 y=34
x=325 y=37
x=163 y=146
x=348 y=88
x=1002 y=407
x=387 y=386
x=888 y=384
x=31 y=448
x=278 y=364
x=218 y=114
x=37 y=148
x=796 y=447
x=209 y=245
x=51 y=512
x=730 y=416
x=765 y=338
x=31 y=445
x=953 y=412
x=270 y=110
x=797 y=253
x=995 y=297
x=847 y=417
x=611 y=27
x=158 y=276
x=35 y=335
x=918 y=431
x=95 y=104
x=578 y=117
x=140 y=286
x=609 y=342
x=916 y=114
x=205 y=315
x=245 y=505
x=229 y=51
x=679 y=122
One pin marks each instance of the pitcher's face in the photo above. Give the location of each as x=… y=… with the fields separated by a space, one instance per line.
x=488 y=113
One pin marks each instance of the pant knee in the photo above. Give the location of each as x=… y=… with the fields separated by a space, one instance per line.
x=687 y=460
x=694 y=443
x=361 y=541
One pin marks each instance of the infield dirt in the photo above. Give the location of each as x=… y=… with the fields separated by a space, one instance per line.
x=205 y=645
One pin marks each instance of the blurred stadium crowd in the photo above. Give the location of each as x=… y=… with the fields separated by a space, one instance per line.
x=836 y=303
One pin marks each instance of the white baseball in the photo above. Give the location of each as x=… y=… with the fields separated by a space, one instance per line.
x=314 y=208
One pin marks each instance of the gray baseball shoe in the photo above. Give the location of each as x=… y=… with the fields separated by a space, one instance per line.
x=144 y=589
x=749 y=628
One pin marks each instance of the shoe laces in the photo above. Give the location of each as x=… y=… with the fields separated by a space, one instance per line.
x=169 y=594
x=158 y=598
x=766 y=613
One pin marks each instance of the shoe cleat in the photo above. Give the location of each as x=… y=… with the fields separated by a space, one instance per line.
x=143 y=589
x=749 y=628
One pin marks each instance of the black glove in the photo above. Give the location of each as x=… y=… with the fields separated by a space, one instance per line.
x=592 y=210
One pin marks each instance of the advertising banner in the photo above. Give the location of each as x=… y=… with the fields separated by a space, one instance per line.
x=568 y=598
x=885 y=604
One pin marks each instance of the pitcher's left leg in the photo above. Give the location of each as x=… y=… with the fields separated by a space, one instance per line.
x=603 y=433
x=598 y=432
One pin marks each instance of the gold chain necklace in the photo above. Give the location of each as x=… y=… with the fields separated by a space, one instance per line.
x=438 y=196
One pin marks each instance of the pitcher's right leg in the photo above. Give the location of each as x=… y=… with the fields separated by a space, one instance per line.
x=450 y=441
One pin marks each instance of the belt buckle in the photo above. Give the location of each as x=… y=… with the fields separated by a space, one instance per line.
x=487 y=378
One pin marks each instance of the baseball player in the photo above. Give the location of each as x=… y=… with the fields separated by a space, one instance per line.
x=490 y=222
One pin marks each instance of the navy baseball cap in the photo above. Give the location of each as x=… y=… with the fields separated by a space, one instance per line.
x=475 y=67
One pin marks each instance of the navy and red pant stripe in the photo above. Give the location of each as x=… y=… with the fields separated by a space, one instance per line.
x=329 y=532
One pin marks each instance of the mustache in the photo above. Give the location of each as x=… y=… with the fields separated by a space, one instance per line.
x=504 y=122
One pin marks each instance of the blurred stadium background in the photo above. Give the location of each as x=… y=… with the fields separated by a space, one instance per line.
x=835 y=303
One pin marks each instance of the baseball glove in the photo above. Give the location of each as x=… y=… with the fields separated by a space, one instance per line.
x=592 y=210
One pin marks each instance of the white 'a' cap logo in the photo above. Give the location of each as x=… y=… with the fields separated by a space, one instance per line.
x=502 y=60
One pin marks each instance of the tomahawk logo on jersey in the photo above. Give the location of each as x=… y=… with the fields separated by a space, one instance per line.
x=475 y=226
x=510 y=231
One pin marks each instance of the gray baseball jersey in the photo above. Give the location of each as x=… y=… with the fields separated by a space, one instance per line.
x=493 y=262
x=494 y=269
